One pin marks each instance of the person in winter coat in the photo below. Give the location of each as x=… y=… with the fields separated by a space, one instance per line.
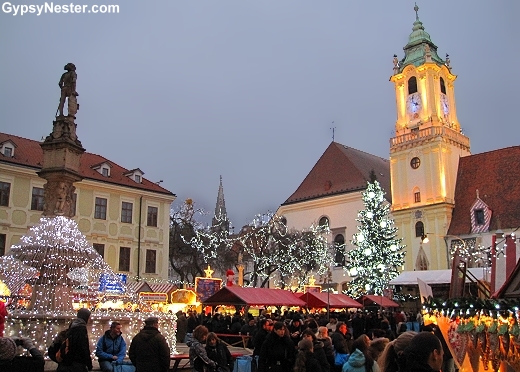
x=305 y=360
x=295 y=329
x=318 y=351
x=341 y=339
x=392 y=359
x=78 y=357
x=149 y=351
x=182 y=326
x=198 y=355
x=10 y=362
x=323 y=336
x=111 y=347
x=277 y=353
x=359 y=360
x=424 y=354
x=219 y=353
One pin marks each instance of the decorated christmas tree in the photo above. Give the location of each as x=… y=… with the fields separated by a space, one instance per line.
x=379 y=254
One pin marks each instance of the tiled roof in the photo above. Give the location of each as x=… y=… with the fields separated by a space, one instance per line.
x=496 y=177
x=340 y=170
x=28 y=153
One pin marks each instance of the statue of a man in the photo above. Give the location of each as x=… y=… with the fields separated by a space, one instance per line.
x=68 y=87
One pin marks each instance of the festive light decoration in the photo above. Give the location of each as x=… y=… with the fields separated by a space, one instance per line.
x=289 y=256
x=379 y=254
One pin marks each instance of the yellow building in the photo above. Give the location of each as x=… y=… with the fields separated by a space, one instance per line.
x=124 y=215
x=425 y=152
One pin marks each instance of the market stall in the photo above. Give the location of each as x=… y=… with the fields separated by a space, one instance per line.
x=331 y=300
x=248 y=296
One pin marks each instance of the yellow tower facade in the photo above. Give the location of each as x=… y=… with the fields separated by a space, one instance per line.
x=425 y=152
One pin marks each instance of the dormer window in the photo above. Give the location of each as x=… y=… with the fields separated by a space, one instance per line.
x=135 y=174
x=7 y=148
x=103 y=168
x=480 y=216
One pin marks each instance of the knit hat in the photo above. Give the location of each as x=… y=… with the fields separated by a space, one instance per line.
x=84 y=314
x=7 y=348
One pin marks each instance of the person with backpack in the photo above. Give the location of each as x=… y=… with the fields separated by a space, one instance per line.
x=71 y=347
x=111 y=347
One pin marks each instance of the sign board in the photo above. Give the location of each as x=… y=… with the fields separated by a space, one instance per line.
x=153 y=297
x=206 y=287
x=111 y=283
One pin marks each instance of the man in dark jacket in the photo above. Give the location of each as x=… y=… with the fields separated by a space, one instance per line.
x=78 y=356
x=277 y=353
x=149 y=351
x=111 y=347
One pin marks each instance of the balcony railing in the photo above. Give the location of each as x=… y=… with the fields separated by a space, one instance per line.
x=430 y=133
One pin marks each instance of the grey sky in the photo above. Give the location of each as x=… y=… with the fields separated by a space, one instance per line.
x=188 y=90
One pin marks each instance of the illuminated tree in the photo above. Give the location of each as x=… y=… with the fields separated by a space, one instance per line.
x=379 y=254
x=288 y=255
x=193 y=245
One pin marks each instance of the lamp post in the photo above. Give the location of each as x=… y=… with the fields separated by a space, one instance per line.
x=328 y=279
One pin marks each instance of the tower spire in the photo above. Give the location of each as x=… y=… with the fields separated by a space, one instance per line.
x=220 y=220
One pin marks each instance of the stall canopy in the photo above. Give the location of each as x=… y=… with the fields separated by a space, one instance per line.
x=253 y=296
x=372 y=300
x=323 y=299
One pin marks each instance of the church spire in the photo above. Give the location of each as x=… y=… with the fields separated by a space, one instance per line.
x=420 y=48
x=220 y=219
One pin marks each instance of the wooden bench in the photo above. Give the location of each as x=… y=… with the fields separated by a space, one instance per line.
x=177 y=358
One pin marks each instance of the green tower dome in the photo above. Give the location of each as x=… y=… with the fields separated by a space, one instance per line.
x=420 y=48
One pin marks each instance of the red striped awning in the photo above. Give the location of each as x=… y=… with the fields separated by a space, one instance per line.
x=163 y=287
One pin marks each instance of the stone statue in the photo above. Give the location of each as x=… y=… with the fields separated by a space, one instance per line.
x=447 y=63
x=396 y=64
x=68 y=90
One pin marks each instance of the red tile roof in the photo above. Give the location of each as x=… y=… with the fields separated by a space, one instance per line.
x=340 y=170
x=28 y=153
x=496 y=176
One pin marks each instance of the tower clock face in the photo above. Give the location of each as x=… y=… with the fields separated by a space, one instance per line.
x=413 y=103
x=444 y=104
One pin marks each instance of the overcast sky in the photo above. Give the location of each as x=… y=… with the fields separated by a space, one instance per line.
x=188 y=90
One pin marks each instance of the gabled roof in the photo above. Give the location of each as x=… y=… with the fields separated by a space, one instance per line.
x=495 y=175
x=432 y=277
x=333 y=300
x=29 y=154
x=253 y=296
x=341 y=170
x=370 y=300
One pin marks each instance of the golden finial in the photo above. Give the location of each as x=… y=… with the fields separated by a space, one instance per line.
x=312 y=280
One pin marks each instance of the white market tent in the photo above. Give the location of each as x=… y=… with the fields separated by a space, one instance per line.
x=433 y=277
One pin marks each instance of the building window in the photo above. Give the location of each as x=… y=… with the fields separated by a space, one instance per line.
x=105 y=172
x=419 y=229
x=150 y=261
x=124 y=259
x=3 y=239
x=412 y=85
x=100 y=248
x=8 y=152
x=479 y=217
x=443 y=86
x=137 y=178
x=152 y=217
x=339 y=250
x=415 y=163
x=324 y=223
x=126 y=212
x=37 y=199
x=5 y=189
x=100 y=211
x=417 y=197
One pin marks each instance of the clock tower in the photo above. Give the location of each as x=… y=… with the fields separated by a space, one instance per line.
x=425 y=152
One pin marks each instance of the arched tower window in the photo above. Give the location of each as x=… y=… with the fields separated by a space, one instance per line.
x=339 y=250
x=419 y=229
x=412 y=85
x=443 y=86
x=416 y=195
x=324 y=222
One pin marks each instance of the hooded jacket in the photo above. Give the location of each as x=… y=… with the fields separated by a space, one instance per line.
x=107 y=346
x=356 y=363
x=79 y=349
x=149 y=351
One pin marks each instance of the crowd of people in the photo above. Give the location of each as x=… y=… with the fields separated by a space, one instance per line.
x=280 y=342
